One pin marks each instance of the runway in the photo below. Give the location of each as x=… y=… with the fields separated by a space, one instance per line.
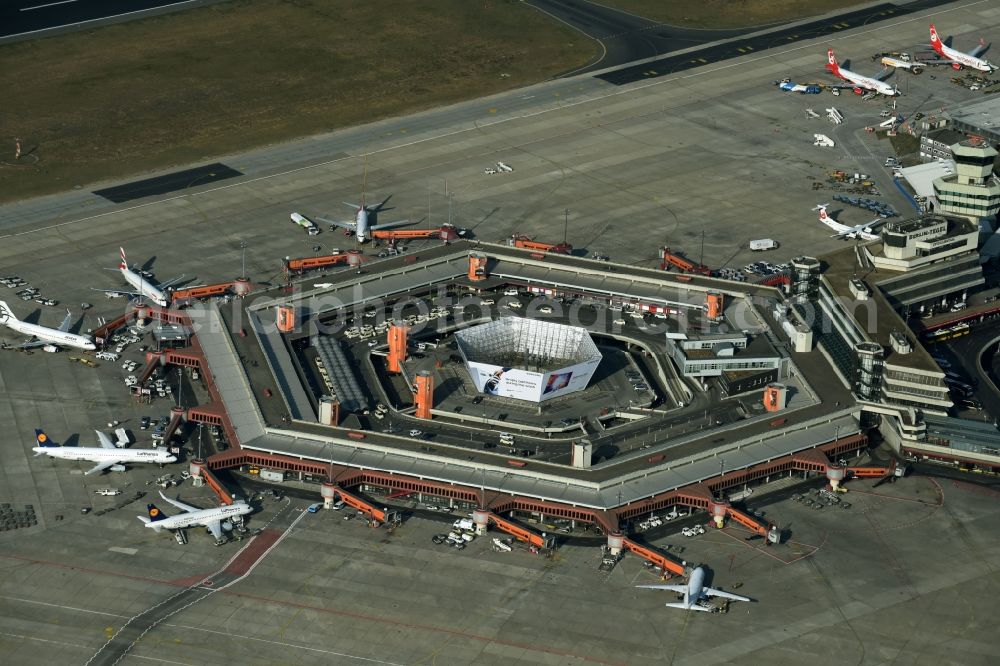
x=33 y=18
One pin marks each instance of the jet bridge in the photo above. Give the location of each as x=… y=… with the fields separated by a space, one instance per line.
x=754 y=524
x=373 y=512
x=522 y=533
x=665 y=562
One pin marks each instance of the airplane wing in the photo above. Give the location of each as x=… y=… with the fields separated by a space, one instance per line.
x=170 y=283
x=66 y=323
x=352 y=225
x=33 y=343
x=389 y=225
x=976 y=52
x=215 y=527
x=712 y=592
x=100 y=467
x=694 y=607
x=672 y=588
x=179 y=504
x=104 y=440
x=883 y=75
x=119 y=292
x=932 y=60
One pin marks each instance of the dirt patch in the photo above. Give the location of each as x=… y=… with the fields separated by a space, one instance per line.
x=120 y=100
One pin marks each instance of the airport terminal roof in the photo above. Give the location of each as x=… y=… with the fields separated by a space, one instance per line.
x=921 y=177
x=877 y=323
x=530 y=344
x=981 y=116
x=576 y=486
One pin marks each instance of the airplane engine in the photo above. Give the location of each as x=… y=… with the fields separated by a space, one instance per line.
x=955 y=66
x=227 y=525
x=52 y=349
x=868 y=230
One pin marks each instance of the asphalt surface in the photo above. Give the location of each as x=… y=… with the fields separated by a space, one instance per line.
x=626 y=37
x=762 y=42
x=136 y=628
x=966 y=353
x=23 y=18
x=171 y=182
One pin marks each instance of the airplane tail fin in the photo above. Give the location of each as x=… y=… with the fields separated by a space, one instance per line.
x=154 y=514
x=6 y=313
x=147 y=521
x=831 y=63
x=823 y=217
x=42 y=440
x=124 y=263
x=935 y=39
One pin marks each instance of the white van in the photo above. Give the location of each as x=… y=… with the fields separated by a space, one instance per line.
x=464 y=524
x=510 y=291
x=107 y=356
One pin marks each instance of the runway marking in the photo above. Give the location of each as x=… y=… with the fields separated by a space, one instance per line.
x=333 y=611
x=41 y=640
x=94 y=20
x=51 y=4
x=199 y=587
x=621 y=90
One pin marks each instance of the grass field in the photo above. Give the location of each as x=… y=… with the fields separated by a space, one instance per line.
x=144 y=95
x=727 y=13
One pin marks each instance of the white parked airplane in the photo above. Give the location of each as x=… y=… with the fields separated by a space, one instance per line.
x=215 y=520
x=844 y=231
x=857 y=80
x=957 y=59
x=694 y=592
x=365 y=220
x=42 y=336
x=146 y=289
x=107 y=456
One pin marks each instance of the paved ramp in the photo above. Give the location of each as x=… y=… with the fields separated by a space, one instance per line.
x=178 y=181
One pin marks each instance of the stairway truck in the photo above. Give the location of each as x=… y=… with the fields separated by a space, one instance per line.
x=464 y=524
x=762 y=244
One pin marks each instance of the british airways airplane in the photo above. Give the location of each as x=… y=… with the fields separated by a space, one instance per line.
x=857 y=80
x=157 y=293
